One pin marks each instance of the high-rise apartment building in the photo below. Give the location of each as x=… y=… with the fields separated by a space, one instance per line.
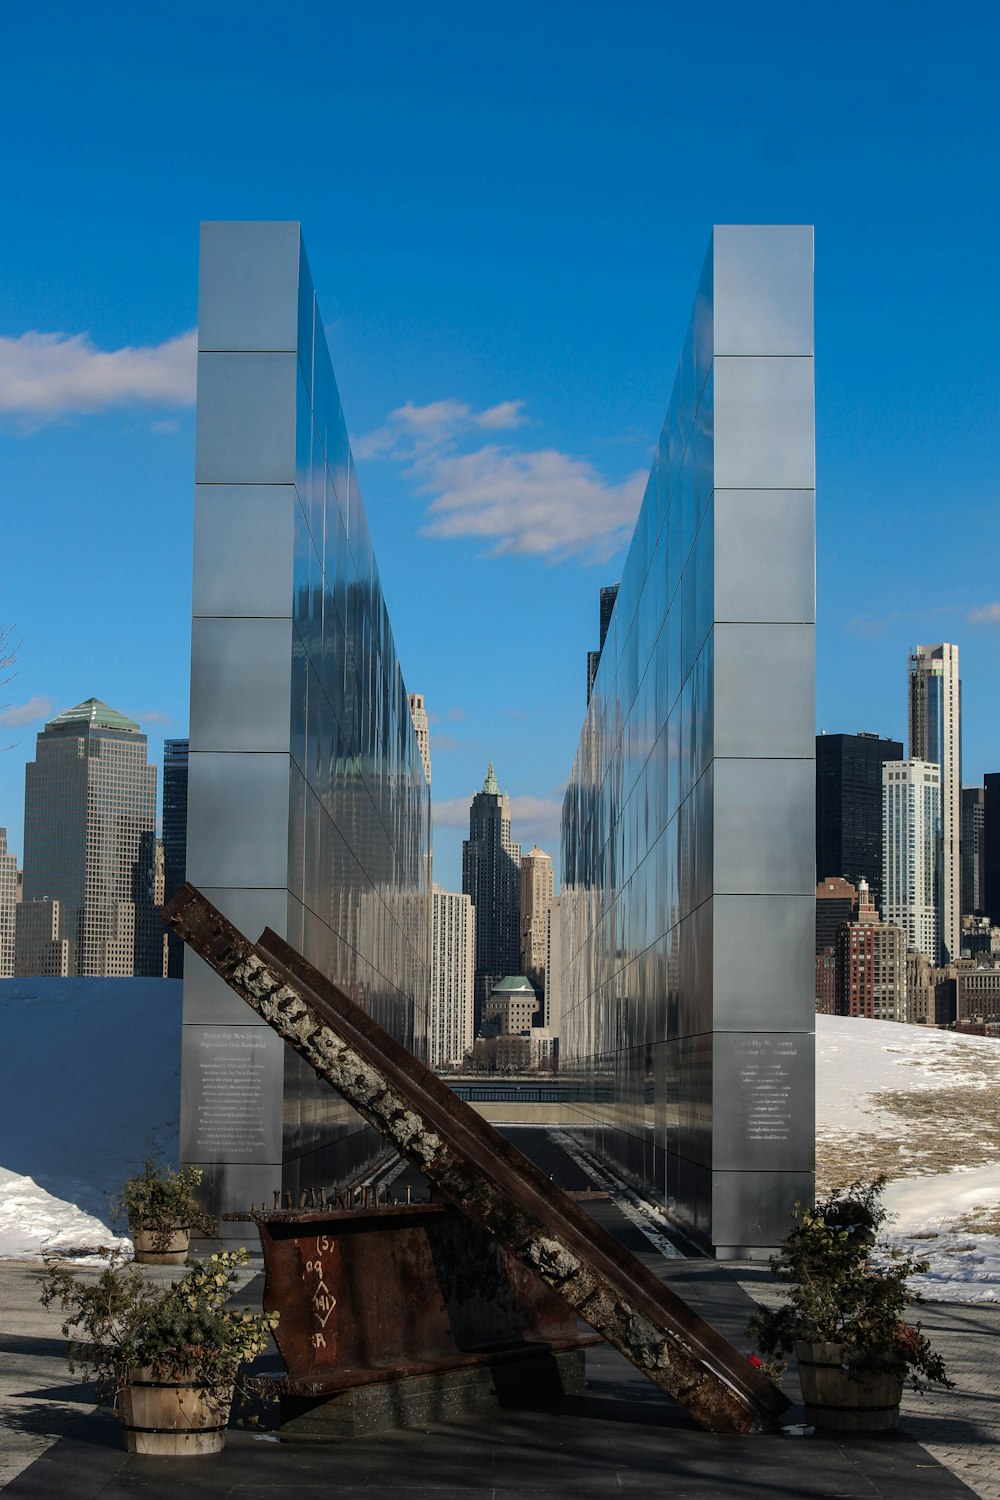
x=971 y=844
x=422 y=729
x=849 y=806
x=89 y=841
x=911 y=871
x=8 y=907
x=453 y=958
x=936 y=736
x=537 y=890
x=490 y=877
x=836 y=903
x=871 y=965
x=175 y=802
x=991 y=846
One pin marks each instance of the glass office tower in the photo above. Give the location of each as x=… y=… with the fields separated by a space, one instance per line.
x=688 y=824
x=308 y=806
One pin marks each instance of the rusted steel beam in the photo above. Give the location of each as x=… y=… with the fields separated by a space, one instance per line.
x=376 y=1294
x=484 y=1175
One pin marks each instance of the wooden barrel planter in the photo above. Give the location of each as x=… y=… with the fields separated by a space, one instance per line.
x=159 y=1247
x=839 y=1401
x=176 y=1418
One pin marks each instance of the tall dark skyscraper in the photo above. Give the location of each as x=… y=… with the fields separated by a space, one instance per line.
x=849 y=807
x=973 y=817
x=491 y=877
x=175 y=812
x=991 y=846
x=608 y=596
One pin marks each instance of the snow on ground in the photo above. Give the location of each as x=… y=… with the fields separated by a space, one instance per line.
x=922 y=1107
x=32 y=1221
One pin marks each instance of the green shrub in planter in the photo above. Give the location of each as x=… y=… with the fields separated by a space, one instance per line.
x=124 y=1329
x=163 y=1211
x=847 y=1291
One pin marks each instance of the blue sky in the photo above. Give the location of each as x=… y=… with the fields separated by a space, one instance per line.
x=505 y=212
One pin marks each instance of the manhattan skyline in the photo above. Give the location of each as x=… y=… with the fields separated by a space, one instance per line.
x=509 y=267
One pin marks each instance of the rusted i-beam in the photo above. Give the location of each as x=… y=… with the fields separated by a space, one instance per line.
x=484 y=1175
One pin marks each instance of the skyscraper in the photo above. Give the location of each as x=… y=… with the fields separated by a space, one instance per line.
x=537 y=890
x=936 y=736
x=849 y=807
x=991 y=846
x=453 y=966
x=490 y=861
x=419 y=715
x=175 y=804
x=911 y=872
x=972 y=846
x=89 y=840
x=8 y=907
x=608 y=596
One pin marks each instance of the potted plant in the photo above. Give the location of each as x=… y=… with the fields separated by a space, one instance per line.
x=843 y=1318
x=162 y=1210
x=167 y=1358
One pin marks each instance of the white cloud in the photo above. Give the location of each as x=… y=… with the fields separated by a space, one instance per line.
x=543 y=503
x=35 y=709
x=452 y=813
x=539 y=502
x=412 y=430
x=536 y=820
x=988 y=614
x=47 y=375
x=153 y=716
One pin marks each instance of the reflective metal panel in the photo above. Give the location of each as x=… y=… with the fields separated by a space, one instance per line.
x=206 y=997
x=237 y=819
x=688 y=836
x=765 y=547
x=763 y=289
x=245 y=421
x=764 y=424
x=241 y=673
x=305 y=781
x=248 y=287
x=243 y=536
x=764 y=968
x=231 y=1087
x=765 y=827
x=764 y=676
x=763 y=1092
x=751 y=1211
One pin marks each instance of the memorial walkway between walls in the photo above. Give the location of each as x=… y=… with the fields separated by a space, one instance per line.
x=621 y=1437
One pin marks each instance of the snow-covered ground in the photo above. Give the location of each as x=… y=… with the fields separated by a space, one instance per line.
x=32 y=1222
x=922 y=1107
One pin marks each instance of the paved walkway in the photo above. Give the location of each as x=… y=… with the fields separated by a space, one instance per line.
x=621 y=1437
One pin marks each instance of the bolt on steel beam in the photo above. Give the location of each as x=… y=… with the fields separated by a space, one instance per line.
x=483 y=1174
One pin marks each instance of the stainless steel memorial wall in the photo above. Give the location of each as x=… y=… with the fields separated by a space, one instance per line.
x=688 y=835
x=308 y=805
